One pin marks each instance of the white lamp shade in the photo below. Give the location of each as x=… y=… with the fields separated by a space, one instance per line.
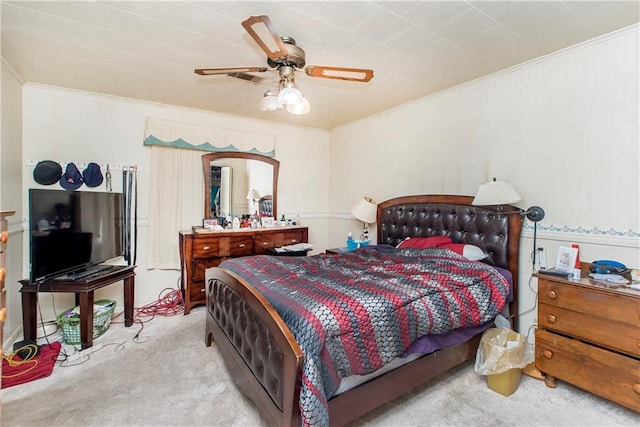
x=496 y=193
x=269 y=103
x=298 y=109
x=289 y=95
x=253 y=194
x=365 y=210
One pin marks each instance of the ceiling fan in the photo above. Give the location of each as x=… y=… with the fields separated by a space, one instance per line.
x=283 y=55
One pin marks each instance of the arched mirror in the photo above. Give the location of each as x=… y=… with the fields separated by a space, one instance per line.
x=235 y=183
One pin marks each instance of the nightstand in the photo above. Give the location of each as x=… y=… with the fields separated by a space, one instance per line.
x=589 y=335
x=335 y=251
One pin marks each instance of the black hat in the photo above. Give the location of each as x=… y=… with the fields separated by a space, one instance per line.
x=47 y=172
x=71 y=180
x=92 y=175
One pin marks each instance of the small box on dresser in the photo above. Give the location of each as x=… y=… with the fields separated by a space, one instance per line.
x=589 y=335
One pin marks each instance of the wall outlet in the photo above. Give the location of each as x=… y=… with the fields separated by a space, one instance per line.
x=541 y=257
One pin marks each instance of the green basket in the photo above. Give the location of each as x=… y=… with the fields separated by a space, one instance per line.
x=101 y=321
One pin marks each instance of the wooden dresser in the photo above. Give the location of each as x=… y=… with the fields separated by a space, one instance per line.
x=4 y=238
x=589 y=335
x=199 y=251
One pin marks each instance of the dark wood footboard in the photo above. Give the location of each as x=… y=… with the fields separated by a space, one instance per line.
x=265 y=360
x=259 y=350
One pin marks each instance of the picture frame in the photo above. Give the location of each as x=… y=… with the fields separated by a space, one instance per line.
x=267 y=221
x=209 y=222
x=566 y=260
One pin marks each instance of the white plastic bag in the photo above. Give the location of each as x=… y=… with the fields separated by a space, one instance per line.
x=502 y=349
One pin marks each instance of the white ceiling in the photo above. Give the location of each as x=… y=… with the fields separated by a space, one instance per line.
x=148 y=49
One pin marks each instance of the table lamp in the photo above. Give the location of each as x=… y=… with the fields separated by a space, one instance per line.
x=365 y=210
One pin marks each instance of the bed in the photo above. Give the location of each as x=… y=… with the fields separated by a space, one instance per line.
x=267 y=362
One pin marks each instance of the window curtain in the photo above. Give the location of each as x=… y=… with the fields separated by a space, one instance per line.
x=176 y=188
x=176 y=202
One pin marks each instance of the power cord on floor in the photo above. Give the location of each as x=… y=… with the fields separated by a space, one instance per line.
x=169 y=303
x=23 y=356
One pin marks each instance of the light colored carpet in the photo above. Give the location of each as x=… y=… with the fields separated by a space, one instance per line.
x=171 y=378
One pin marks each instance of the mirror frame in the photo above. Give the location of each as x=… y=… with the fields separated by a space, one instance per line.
x=206 y=171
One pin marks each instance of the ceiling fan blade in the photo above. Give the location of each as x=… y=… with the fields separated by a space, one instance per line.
x=340 y=73
x=260 y=28
x=229 y=70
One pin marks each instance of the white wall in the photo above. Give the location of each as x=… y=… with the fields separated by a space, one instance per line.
x=11 y=194
x=563 y=130
x=65 y=125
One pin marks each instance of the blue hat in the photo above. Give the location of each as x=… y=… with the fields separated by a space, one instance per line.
x=92 y=175
x=71 y=179
x=47 y=172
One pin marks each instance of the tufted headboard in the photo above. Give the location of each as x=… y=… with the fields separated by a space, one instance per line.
x=498 y=235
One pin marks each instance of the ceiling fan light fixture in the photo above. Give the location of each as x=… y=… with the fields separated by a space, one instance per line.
x=270 y=101
x=299 y=109
x=290 y=95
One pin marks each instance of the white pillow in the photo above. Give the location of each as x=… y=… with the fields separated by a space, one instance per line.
x=473 y=253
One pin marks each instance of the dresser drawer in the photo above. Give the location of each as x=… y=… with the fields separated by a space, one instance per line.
x=222 y=246
x=618 y=336
x=592 y=301
x=262 y=242
x=608 y=374
x=199 y=267
x=197 y=293
x=4 y=237
x=291 y=237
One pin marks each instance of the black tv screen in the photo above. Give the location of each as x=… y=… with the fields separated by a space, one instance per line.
x=72 y=230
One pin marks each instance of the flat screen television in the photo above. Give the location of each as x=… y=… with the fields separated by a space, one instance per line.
x=72 y=230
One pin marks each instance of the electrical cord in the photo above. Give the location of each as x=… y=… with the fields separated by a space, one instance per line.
x=169 y=303
x=32 y=351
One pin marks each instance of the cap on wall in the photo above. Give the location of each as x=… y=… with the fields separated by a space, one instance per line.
x=47 y=172
x=71 y=179
x=92 y=175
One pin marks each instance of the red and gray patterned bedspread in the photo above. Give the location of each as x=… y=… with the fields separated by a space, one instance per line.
x=353 y=313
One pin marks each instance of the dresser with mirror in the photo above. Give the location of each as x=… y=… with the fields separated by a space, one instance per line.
x=234 y=184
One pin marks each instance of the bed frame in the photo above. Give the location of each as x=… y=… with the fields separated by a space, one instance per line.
x=265 y=360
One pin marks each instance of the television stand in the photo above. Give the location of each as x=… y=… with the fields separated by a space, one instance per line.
x=83 y=288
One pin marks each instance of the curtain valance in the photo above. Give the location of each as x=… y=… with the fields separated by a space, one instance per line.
x=169 y=133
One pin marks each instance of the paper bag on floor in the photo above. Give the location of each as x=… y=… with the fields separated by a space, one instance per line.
x=502 y=349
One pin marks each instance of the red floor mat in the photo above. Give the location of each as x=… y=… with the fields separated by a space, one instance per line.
x=40 y=366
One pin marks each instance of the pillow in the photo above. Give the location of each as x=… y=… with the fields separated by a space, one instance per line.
x=424 y=242
x=470 y=252
x=473 y=253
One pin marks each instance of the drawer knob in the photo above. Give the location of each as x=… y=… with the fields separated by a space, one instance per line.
x=551 y=318
x=294 y=240
x=3 y=314
x=635 y=387
x=4 y=237
x=206 y=248
x=547 y=354
x=202 y=290
x=242 y=245
x=3 y=274
x=552 y=295
x=264 y=243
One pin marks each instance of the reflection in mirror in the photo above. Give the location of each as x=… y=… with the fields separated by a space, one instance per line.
x=234 y=182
